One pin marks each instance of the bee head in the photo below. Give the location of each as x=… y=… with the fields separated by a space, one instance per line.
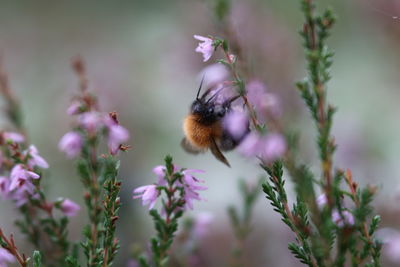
x=202 y=108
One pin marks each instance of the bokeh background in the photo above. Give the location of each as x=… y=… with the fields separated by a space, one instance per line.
x=141 y=62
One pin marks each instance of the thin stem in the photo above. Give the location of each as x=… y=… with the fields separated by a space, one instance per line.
x=22 y=260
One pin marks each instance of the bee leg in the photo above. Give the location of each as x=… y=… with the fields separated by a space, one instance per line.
x=217 y=153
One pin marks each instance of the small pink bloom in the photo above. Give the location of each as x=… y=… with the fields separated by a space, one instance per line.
x=116 y=136
x=322 y=201
x=69 y=208
x=264 y=103
x=20 y=177
x=346 y=218
x=74 y=108
x=190 y=185
x=14 y=137
x=160 y=172
x=148 y=193
x=249 y=147
x=205 y=47
x=202 y=224
x=214 y=74
x=236 y=123
x=91 y=121
x=5 y=257
x=273 y=147
x=36 y=159
x=71 y=144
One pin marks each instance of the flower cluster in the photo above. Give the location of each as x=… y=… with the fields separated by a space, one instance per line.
x=180 y=188
x=340 y=218
x=180 y=181
x=19 y=184
x=89 y=124
x=262 y=105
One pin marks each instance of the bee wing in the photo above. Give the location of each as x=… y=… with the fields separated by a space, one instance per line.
x=188 y=147
x=217 y=153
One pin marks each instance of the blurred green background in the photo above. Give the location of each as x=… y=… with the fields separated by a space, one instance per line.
x=141 y=62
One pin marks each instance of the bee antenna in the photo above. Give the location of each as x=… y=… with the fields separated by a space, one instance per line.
x=201 y=84
x=214 y=95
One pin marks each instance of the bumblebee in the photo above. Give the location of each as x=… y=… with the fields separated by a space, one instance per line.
x=203 y=127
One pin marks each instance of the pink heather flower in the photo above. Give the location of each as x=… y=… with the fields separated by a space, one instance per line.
x=74 y=108
x=202 y=224
x=249 y=147
x=116 y=136
x=273 y=147
x=269 y=147
x=91 y=121
x=5 y=257
x=69 y=208
x=322 y=201
x=191 y=187
x=392 y=249
x=14 y=137
x=71 y=144
x=205 y=47
x=35 y=158
x=148 y=193
x=159 y=171
x=236 y=123
x=264 y=103
x=390 y=238
x=214 y=74
x=21 y=177
x=346 y=218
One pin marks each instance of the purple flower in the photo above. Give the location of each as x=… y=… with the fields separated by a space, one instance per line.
x=392 y=249
x=391 y=243
x=5 y=257
x=69 y=208
x=236 y=123
x=91 y=121
x=21 y=177
x=74 y=108
x=322 y=200
x=160 y=172
x=202 y=224
x=148 y=193
x=269 y=147
x=71 y=144
x=14 y=137
x=35 y=158
x=190 y=185
x=346 y=218
x=273 y=147
x=205 y=47
x=214 y=74
x=264 y=103
x=116 y=136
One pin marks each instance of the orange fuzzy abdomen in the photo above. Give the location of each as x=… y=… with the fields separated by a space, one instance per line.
x=198 y=134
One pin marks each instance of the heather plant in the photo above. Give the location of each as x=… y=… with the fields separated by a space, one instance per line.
x=329 y=214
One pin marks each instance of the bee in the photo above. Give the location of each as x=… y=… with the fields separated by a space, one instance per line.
x=203 y=127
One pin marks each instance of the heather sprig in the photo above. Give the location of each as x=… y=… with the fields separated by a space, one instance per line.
x=177 y=188
x=327 y=228
x=22 y=173
x=241 y=218
x=98 y=171
x=9 y=251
